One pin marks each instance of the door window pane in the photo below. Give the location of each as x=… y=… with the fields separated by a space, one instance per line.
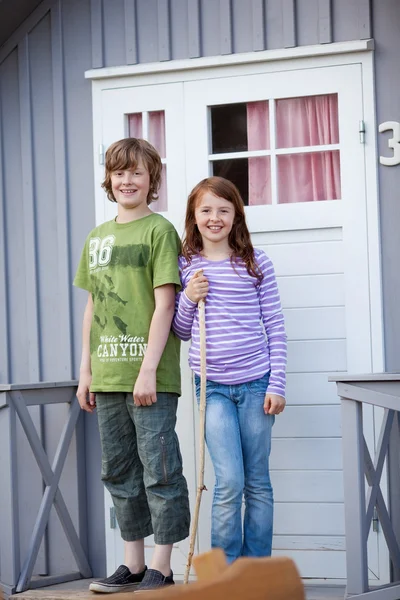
x=260 y=180
x=228 y=128
x=309 y=177
x=135 y=125
x=239 y=127
x=157 y=131
x=257 y=164
x=308 y=121
x=161 y=204
x=244 y=128
x=237 y=171
x=258 y=125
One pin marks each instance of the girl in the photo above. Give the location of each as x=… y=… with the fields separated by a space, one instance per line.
x=245 y=367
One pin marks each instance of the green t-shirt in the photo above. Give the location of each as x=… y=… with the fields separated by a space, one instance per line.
x=121 y=264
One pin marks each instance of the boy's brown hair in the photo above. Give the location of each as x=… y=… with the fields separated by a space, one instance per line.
x=125 y=154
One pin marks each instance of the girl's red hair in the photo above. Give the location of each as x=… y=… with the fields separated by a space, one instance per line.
x=239 y=237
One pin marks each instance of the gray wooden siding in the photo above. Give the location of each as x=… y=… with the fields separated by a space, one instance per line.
x=386 y=32
x=46 y=211
x=142 y=31
x=46 y=191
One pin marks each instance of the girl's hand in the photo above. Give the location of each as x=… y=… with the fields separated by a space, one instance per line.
x=274 y=404
x=197 y=288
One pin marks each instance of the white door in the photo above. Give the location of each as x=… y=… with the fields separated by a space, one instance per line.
x=155 y=113
x=290 y=141
x=242 y=127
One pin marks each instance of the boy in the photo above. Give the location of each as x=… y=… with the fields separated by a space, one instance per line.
x=129 y=267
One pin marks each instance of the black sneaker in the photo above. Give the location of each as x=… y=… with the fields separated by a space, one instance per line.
x=121 y=581
x=153 y=580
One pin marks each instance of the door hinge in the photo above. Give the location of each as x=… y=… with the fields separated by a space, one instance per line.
x=375 y=521
x=361 y=131
x=101 y=154
x=113 y=518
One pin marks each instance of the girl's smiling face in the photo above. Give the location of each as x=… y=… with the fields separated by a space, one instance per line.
x=214 y=218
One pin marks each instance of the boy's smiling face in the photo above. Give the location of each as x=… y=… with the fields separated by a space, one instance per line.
x=131 y=187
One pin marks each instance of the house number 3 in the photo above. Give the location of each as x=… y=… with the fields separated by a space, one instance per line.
x=393 y=142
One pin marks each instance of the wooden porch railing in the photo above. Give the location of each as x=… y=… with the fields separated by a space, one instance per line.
x=381 y=390
x=22 y=413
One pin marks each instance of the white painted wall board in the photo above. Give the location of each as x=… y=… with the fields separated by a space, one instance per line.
x=310 y=388
x=318 y=258
x=306 y=453
x=296 y=518
x=311 y=290
x=309 y=542
x=315 y=323
x=316 y=564
x=308 y=421
x=316 y=355
x=308 y=486
x=267 y=238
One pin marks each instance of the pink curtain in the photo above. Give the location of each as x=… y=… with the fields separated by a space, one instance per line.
x=162 y=204
x=135 y=125
x=157 y=131
x=258 y=139
x=301 y=122
x=156 y=136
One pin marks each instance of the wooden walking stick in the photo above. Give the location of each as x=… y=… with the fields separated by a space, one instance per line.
x=203 y=385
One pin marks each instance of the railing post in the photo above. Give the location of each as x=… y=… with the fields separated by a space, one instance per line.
x=354 y=497
x=394 y=486
x=9 y=522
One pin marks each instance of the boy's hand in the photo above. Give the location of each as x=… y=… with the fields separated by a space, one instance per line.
x=197 y=288
x=144 y=392
x=274 y=404
x=86 y=399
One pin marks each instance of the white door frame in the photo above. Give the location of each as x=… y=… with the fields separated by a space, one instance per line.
x=270 y=61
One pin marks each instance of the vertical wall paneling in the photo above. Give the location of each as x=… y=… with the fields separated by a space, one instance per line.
x=13 y=216
x=9 y=518
x=226 y=26
x=352 y=19
x=65 y=349
x=130 y=32
x=289 y=23
x=194 y=28
x=257 y=9
x=273 y=24
x=4 y=341
x=25 y=28
x=364 y=19
x=164 y=30
x=325 y=21
x=81 y=473
x=114 y=45
x=31 y=271
x=386 y=35
x=97 y=27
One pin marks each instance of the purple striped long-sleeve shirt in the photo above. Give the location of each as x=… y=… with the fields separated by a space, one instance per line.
x=245 y=329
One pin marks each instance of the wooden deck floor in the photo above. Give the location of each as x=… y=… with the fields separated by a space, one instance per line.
x=78 y=590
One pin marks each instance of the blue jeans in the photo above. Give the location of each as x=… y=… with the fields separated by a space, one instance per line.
x=238 y=437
